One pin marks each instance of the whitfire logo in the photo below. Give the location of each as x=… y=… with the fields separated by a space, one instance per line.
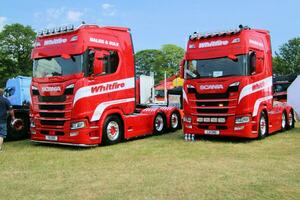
x=55 y=41
x=213 y=43
x=211 y=87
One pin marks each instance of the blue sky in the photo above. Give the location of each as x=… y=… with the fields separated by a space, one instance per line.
x=157 y=22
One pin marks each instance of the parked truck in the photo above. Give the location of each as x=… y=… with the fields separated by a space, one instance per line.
x=17 y=91
x=84 y=89
x=228 y=85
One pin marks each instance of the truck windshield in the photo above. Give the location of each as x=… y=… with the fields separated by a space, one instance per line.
x=217 y=67
x=57 y=66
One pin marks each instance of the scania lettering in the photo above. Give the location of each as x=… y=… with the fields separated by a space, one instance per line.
x=228 y=86
x=84 y=89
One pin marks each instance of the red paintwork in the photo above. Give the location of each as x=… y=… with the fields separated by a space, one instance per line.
x=235 y=108
x=78 y=108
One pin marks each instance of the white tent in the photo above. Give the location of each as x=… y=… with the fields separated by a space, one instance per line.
x=293 y=96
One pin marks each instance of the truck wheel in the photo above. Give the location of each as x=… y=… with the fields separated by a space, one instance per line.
x=262 y=126
x=291 y=120
x=159 y=124
x=12 y=133
x=283 y=121
x=175 y=121
x=112 y=130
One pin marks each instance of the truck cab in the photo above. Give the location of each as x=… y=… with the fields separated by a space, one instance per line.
x=228 y=85
x=84 y=84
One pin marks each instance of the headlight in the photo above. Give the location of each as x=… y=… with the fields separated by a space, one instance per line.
x=77 y=125
x=234 y=84
x=187 y=119
x=240 y=120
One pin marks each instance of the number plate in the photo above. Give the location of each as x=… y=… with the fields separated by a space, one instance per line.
x=211 y=132
x=51 y=137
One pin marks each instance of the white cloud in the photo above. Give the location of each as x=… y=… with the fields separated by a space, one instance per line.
x=74 y=16
x=108 y=9
x=2 y=22
x=54 y=13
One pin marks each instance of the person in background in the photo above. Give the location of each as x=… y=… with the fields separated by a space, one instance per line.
x=5 y=107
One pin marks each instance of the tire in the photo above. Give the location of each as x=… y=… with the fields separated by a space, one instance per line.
x=175 y=122
x=159 y=124
x=284 y=121
x=113 y=130
x=13 y=134
x=262 y=126
x=291 y=120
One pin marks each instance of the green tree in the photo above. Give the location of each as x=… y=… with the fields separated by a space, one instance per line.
x=16 y=43
x=287 y=61
x=172 y=56
x=150 y=60
x=159 y=61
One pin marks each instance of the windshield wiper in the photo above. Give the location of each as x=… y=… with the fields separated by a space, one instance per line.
x=227 y=75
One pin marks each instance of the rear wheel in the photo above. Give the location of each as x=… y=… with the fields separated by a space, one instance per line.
x=291 y=120
x=283 y=121
x=159 y=124
x=112 y=130
x=175 y=121
x=262 y=126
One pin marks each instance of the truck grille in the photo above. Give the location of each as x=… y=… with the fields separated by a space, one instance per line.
x=48 y=99
x=52 y=107
x=53 y=122
x=52 y=115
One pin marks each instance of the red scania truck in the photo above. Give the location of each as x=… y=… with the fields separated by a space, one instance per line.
x=84 y=89
x=228 y=85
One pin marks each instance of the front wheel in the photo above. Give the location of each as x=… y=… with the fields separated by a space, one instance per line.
x=262 y=126
x=112 y=130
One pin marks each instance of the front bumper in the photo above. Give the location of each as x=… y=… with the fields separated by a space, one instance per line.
x=244 y=130
x=88 y=136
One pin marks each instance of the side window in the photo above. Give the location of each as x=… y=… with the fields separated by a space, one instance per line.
x=111 y=62
x=102 y=62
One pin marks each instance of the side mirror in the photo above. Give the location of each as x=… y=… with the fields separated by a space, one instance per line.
x=181 y=69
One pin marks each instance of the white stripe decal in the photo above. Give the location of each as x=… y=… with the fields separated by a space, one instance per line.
x=102 y=106
x=258 y=102
x=184 y=95
x=255 y=87
x=103 y=88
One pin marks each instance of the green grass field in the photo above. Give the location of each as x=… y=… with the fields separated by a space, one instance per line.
x=157 y=167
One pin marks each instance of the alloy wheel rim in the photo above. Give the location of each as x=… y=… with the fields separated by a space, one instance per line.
x=113 y=130
x=159 y=123
x=174 y=120
x=263 y=126
x=283 y=121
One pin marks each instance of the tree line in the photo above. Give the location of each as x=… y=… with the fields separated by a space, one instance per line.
x=17 y=40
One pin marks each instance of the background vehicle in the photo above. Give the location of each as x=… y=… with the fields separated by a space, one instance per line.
x=17 y=91
x=84 y=90
x=228 y=85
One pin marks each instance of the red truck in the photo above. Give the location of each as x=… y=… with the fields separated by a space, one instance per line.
x=84 y=89
x=228 y=85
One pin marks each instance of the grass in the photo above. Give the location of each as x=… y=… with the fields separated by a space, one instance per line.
x=157 y=167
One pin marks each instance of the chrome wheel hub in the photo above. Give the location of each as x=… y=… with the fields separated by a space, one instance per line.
x=159 y=123
x=113 y=130
x=174 y=120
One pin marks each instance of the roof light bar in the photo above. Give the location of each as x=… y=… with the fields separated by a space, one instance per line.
x=56 y=30
x=196 y=35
